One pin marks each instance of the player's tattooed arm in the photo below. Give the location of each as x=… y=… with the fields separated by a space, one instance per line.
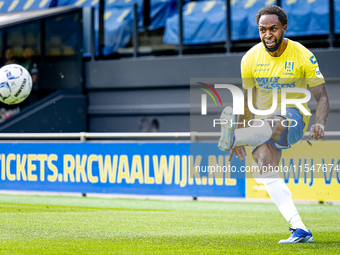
x=322 y=110
x=247 y=113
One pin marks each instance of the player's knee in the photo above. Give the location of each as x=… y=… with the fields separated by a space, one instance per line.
x=266 y=156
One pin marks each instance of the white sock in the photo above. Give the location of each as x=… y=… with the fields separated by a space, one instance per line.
x=253 y=136
x=296 y=222
x=282 y=197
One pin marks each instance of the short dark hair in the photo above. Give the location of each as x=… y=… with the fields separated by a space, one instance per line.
x=273 y=9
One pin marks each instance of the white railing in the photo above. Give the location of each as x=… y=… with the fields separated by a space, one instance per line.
x=83 y=136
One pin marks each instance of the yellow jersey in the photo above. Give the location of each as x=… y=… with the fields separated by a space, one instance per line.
x=295 y=68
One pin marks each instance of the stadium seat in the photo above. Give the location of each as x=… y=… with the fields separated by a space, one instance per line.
x=119 y=19
x=18 y=6
x=204 y=22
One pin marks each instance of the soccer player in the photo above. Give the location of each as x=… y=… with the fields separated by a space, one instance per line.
x=276 y=62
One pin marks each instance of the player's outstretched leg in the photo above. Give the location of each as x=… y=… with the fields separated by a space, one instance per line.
x=250 y=136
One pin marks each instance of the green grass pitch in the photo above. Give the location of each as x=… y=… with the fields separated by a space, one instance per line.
x=70 y=225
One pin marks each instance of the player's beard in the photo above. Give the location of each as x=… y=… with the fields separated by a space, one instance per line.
x=277 y=45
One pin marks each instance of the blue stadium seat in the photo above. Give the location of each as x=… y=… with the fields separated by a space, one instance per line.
x=337 y=17
x=18 y=6
x=117 y=22
x=80 y=3
x=160 y=10
x=306 y=17
x=119 y=19
x=204 y=22
x=117 y=29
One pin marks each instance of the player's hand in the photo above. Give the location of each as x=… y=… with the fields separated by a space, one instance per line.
x=316 y=132
x=238 y=151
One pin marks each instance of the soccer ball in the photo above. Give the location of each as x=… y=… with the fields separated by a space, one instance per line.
x=15 y=84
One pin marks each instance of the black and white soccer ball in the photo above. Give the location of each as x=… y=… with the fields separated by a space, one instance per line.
x=15 y=84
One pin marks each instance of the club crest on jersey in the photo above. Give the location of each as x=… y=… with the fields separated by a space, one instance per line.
x=289 y=66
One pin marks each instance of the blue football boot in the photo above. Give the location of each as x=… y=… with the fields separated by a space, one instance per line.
x=299 y=236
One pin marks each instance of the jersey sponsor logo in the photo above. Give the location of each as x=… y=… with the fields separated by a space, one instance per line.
x=273 y=82
x=262 y=70
x=318 y=73
x=263 y=80
x=289 y=66
x=313 y=60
